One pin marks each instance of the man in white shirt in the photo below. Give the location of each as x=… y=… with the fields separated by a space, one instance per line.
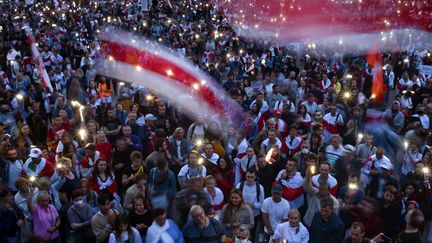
x=13 y=169
x=253 y=196
x=274 y=210
x=372 y=165
x=209 y=155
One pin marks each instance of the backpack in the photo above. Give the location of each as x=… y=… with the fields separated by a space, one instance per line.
x=257 y=189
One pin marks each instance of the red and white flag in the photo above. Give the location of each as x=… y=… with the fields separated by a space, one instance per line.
x=37 y=60
x=133 y=59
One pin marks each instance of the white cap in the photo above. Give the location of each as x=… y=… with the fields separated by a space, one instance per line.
x=35 y=153
x=150 y=117
x=349 y=148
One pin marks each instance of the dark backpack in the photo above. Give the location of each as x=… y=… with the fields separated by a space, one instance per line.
x=257 y=189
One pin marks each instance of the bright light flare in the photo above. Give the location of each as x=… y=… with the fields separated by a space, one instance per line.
x=313 y=169
x=352 y=186
x=269 y=156
x=82 y=133
x=59 y=166
x=426 y=171
x=199 y=142
x=19 y=97
x=347 y=95
x=149 y=97
x=32 y=178
x=406 y=144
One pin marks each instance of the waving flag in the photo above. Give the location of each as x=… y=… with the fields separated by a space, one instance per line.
x=134 y=59
x=37 y=59
x=375 y=60
x=354 y=23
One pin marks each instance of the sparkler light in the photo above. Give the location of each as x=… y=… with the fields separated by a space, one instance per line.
x=199 y=142
x=352 y=186
x=32 y=178
x=426 y=171
x=406 y=144
x=149 y=97
x=313 y=169
x=347 y=95
x=82 y=132
x=269 y=156
x=59 y=166
x=19 y=97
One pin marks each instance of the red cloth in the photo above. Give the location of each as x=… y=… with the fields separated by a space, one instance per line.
x=94 y=185
x=105 y=150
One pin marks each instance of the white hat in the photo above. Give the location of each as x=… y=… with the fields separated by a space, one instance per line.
x=35 y=153
x=386 y=165
x=150 y=117
x=349 y=148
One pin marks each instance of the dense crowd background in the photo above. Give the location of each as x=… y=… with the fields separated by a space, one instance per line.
x=102 y=160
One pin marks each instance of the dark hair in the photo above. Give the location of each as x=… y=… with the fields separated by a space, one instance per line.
x=158 y=143
x=4 y=191
x=161 y=163
x=140 y=176
x=251 y=170
x=121 y=219
x=358 y=225
x=95 y=172
x=327 y=202
x=76 y=193
x=104 y=198
x=410 y=183
x=158 y=212
x=416 y=218
x=391 y=189
x=325 y=163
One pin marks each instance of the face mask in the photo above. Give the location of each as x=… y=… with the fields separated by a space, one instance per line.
x=305 y=151
x=237 y=240
x=79 y=202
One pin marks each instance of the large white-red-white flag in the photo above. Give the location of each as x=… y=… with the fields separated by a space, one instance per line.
x=37 y=60
x=127 y=57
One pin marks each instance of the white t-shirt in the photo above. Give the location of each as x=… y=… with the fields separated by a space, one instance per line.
x=277 y=212
x=250 y=196
x=136 y=237
x=284 y=231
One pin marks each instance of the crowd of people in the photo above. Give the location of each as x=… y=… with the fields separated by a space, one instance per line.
x=100 y=160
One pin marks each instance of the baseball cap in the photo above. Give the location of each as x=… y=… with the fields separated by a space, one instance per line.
x=150 y=117
x=349 y=148
x=35 y=153
x=277 y=189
